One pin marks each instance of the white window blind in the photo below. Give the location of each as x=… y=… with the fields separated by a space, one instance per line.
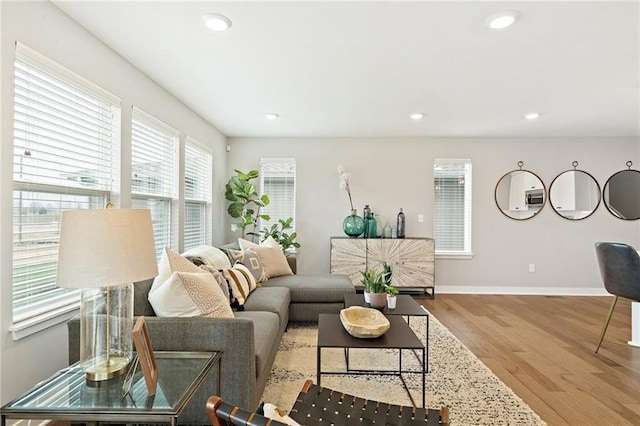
x=65 y=132
x=153 y=167
x=278 y=181
x=452 y=216
x=197 y=193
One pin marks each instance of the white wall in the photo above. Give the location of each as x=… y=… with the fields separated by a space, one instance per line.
x=391 y=173
x=44 y=28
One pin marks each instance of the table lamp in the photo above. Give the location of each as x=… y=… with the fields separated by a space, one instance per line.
x=103 y=252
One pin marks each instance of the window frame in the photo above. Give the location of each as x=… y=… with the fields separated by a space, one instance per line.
x=466 y=252
x=146 y=128
x=277 y=166
x=59 y=119
x=205 y=197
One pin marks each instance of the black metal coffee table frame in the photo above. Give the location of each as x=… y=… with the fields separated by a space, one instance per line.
x=406 y=306
x=331 y=334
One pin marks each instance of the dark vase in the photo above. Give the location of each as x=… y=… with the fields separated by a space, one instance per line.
x=353 y=225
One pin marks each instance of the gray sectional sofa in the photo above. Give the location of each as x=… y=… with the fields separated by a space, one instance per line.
x=249 y=341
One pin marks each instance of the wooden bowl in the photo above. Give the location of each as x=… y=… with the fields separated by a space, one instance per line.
x=364 y=323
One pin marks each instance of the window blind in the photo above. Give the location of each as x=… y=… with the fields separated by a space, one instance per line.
x=197 y=189
x=65 y=131
x=153 y=168
x=452 y=216
x=278 y=181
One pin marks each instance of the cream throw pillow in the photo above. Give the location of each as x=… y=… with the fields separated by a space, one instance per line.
x=190 y=294
x=210 y=255
x=271 y=257
x=183 y=289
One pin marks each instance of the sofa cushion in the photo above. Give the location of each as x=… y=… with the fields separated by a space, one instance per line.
x=272 y=258
x=239 y=285
x=265 y=330
x=271 y=299
x=171 y=262
x=189 y=294
x=314 y=288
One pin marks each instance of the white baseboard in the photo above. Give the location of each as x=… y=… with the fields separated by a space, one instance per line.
x=539 y=291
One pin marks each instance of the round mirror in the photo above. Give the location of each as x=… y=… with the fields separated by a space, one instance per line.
x=520 y=194
x=574 y=194
x=622 y=194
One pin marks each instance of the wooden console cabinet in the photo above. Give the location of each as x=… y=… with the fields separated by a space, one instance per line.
x=413 y=260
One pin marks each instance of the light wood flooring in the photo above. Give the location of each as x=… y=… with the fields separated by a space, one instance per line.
x=543 y=348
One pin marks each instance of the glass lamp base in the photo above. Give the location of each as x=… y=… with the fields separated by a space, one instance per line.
x=99 y=370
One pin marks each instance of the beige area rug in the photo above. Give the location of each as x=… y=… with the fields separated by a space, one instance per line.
x=456 y=377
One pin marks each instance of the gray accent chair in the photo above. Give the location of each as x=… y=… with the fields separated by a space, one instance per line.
x=620 y=270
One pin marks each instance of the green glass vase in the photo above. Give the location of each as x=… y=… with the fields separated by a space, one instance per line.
x=353 y=225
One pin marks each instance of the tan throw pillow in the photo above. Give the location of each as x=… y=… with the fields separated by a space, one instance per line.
x=273 y=261
x=248 y=275
x=190 y=294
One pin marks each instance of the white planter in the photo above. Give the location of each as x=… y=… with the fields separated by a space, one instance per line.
x=367 y=299
x=391 y=301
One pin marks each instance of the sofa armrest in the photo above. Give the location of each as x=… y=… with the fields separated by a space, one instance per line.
x=232 y=336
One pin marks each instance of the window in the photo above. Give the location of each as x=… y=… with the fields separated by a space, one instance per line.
x=65 y=132
x=278 y=181
x=153 y=182
x=452 y=217
x=197 y=194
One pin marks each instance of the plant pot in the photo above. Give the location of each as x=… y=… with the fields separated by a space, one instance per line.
x=378 y=300
x=367 y=298
x=391 y=301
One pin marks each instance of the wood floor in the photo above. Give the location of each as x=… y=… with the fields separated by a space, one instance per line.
x=543 y=348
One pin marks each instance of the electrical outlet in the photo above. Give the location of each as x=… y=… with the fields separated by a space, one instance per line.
x=420 y=218
x=532 y=267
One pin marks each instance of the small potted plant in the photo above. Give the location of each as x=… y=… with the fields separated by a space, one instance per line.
x=391 y=296
x=374 y=288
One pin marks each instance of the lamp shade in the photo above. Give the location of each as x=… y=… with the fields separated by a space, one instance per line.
x=101 y=248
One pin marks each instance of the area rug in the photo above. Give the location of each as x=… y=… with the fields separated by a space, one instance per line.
x=456 y=377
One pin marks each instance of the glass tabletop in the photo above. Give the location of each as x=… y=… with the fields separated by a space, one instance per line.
x=68 y=392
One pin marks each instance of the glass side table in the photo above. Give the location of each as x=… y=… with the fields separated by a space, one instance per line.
x=68 y=396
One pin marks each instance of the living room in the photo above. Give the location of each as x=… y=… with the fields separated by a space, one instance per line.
x=389 y=172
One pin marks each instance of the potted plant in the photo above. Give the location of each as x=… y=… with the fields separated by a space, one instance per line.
x=374 y=288
x=392 y=292
x=245 y=202
x=277 y=232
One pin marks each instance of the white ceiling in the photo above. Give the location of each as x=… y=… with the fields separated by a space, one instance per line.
x=358 y=69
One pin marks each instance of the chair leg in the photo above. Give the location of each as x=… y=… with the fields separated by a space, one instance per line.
x=606 y=324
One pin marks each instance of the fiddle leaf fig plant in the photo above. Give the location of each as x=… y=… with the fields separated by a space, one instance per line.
x=277 y=231
x=245 y=203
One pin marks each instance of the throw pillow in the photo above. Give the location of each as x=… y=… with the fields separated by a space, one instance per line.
x=271 y=257
x=190 y=294
x=273 y=261
x=248 y=275
x=222 y=282
x=210 y=255
x=171 y=262
x=251 y=260
x=238 y=284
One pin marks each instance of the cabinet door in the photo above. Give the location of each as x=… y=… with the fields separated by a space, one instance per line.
x=412 y=260
x=349 y=257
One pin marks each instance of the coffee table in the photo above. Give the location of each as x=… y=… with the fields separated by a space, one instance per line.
x=331 y=334
x=67 y=395
x=406 y=306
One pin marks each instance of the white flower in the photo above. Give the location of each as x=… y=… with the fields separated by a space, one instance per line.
x=344 y=182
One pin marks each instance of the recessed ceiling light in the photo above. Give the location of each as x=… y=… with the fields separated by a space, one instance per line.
x=216 y=22
x=502 y=20
x=271 y=116
x=416 y=116
x=532 y=115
